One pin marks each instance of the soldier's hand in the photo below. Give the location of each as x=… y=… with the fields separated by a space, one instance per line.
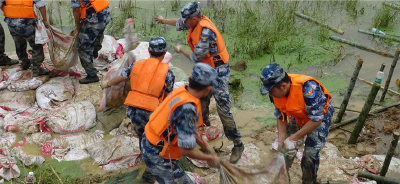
x=178 y=48
x=159 y=19
x=215 y=162
x=46 y=24
x=104 y=84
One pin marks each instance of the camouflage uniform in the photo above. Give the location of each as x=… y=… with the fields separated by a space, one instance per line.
x=91 y=36
x=315 y=141
x=220 y=91
x=23 y=31
x=184 y=120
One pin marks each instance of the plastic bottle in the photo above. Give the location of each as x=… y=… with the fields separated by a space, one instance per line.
x=379 y=77
x=377 y=31
x=30 y=178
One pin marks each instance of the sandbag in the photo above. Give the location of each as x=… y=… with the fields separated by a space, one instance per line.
x=114 y=96
x=4 y=84
x=72 y=117
x=56 y=92
x=26 y=120
x=38 y=138
x=70 y=147
x=8 y=165
x=25 y=85
x=118 y=148
x=7 y=139
x=17 y=100
x=62 y=49
x=26 y=159
x=107 y=51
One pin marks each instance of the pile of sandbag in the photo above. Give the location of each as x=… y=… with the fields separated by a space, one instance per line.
x=26 y=120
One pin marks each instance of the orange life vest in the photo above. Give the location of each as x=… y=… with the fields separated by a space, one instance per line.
x=294 y=104
x=194 y=38
x=19 y=9
x=147 y=82
x=160 y=120
x=97 y=5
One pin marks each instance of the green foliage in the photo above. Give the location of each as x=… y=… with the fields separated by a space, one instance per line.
x=385 y=17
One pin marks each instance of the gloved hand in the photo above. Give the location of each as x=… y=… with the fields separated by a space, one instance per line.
x=159 y=19
x=215 y=162
x=289 y=145
x=46 y=24
x=104 y=84
x=178 y=48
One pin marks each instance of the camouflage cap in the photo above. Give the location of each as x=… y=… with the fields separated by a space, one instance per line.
x=204 y=74
x=190 y=10
x=270 y=76
x=157 y=44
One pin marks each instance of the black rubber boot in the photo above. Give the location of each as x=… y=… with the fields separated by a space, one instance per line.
x=236 y=153
x=37 y=71
x=148 y=177
x=25 y=64
x=89 y=79
x=8 y=61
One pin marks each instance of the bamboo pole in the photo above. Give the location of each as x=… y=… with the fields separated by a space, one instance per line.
x=364 y=112
x=390 y=153
x=379 y=35
x=336 y=30
x=354 y=44
x=377 y=178
x=346 y=98
x=370 y=83
x=390 y=5
x=394 y=63
x=353 y=119
x=55 y=173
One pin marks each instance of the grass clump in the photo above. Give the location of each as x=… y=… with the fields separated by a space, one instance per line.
x=385 y=17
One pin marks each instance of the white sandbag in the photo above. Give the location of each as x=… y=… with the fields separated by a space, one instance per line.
x=20 y=75
x=106 y=51
x=26 y=159
x=25 y=85
x=142 y=52
x=1 y=74
x=26 y=119
x=41 y=36
x=17 y=100
x=8 y=165
x=62 y=49
x=4 y=84
x=123 y=162
x=71 y=147
x=38 y=138
x=10 y=71
x=72 y=117
x=196 y=178
x=114 y=96
x=112 y=149
x=7 y=139
x=56 y=92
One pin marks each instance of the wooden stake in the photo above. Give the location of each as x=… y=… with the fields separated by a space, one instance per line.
x=364 y=112
x=349 y=91
x=377 y=178
x=390 y=153
x=354 y=44
x=394 y=63
x=353 y=119
x=336 y=30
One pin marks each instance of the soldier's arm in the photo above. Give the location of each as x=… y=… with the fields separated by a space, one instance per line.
x=124 y=76
x=75 y=5
x=42 y=8
x=171 y=22
x=315 y=101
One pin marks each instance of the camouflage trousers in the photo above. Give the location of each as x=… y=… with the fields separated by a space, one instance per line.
x=139 y=119
x=23 y=31
x=160 y=168
x=221 y=96
x=89 y=43
x=2 y=43
x=314 y=143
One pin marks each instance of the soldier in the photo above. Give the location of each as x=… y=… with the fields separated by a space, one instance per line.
x=4 y=59
x=91 y=19
x=21 y=20
x=208 y=47
x=172 y=130
x=151 y=81
x=308 y=106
